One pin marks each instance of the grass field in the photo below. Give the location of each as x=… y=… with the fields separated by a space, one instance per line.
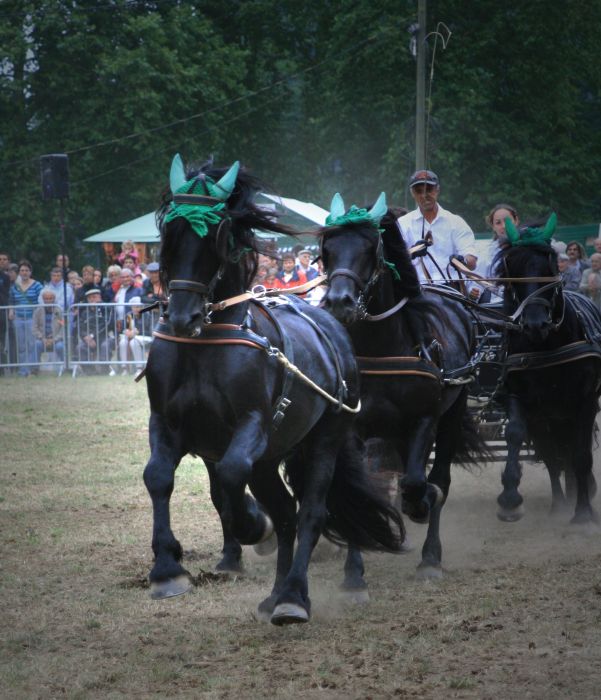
x=518 y=613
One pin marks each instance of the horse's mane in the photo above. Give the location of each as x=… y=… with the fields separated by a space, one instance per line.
x=245 y=214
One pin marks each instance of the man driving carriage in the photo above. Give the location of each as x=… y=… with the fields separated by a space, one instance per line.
x=445 y=234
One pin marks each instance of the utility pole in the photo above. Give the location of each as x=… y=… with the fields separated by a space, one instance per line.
x=420 y=106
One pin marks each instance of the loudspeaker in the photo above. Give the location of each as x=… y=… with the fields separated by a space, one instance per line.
x=55 y=176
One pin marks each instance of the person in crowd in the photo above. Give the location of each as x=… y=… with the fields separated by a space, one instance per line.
x=98 y=281
x=289 y=276
x=597 y=245
x=4 y=299
x=152 y=288
x=58 y=287
x=13 y=274
x=136 y=334
x=94 y=330
x=260 y=275
x=76 y=283
x=126 y=291
x=304 y=265
x=24 y=295
x=590 y=283
x=48 y=326
x=315 y=296
x=87 y=276
x=111 y=286
x=127 y=249
x=448 y=233
x=59 y=263
x=495 y=219
x=577 y=255
x=131 y=264
x=269 y=282
x=570 y=275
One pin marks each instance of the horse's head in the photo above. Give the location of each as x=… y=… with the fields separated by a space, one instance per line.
x=352 y=255
x=195 y=238
x=536 y=303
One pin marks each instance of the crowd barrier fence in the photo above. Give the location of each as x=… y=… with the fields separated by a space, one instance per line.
x=95 y=339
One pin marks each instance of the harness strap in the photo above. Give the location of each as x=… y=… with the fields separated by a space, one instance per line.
x=540 y=360
x=345 y=272
x=399 y=365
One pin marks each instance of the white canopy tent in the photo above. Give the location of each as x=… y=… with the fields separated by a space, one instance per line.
x=144 y=230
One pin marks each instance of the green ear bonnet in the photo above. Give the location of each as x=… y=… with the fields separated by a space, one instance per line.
x=338 y=216
x=531 y=236
x=200 y=215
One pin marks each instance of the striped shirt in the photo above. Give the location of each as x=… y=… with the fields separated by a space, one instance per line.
x=25 y=300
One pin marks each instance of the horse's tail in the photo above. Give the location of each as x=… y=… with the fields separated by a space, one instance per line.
x=471 y=449
x=359 y=510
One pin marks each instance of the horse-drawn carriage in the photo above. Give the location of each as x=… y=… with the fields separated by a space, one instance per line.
x=247 y=385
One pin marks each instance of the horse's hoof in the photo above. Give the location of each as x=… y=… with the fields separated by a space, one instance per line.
x=268 y=542
x=289 y=614
x=354 y=596
x=266 y=547
x=584 y=518
x=229 y=569
x=428 y=572
x=438 y=494
x=510 y=515
x=170 y=588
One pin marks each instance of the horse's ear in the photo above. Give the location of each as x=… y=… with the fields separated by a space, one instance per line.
x=227 y=183
x=513 y=235
x=550 y=227
x=177 y=174
x=337 y=207
x=379 y=209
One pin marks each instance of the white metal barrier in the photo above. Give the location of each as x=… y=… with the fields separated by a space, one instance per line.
x=92 y=339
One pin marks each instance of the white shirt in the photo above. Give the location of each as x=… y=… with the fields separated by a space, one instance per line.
x=450 y=234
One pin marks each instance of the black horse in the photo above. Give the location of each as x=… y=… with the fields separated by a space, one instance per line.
x=552 y=372
x=218 y=389
x=409 y=345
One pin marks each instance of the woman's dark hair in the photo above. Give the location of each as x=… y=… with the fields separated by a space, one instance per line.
x=26 y=263
x=490 y=216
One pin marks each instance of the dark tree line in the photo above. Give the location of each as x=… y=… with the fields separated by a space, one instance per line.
x=314 y=97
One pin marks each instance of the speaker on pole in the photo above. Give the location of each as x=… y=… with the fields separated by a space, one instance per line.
x=55 y=176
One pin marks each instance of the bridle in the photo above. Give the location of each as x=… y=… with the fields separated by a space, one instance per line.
x=536 y=297
x=363 y=287
x=205 y=291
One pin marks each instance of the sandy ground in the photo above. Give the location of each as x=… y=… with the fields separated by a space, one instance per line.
x=517 y=614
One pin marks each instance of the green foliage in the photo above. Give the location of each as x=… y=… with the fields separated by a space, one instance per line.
x=314 y=97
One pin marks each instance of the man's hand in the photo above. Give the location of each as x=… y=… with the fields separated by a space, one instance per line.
x=422 y=252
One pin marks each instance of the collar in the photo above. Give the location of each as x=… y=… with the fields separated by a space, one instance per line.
x=417 y=215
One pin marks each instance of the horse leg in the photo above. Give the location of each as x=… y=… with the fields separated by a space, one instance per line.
x=167 y=578
x=510 y=499
x=240 y=513
x=232 y=551
x=447 y=441
x=354 y=586
x=418 y=497
x=322 y=445
x=582 y=462
x=267 y=486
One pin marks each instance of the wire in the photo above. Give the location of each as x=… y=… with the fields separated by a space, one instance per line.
x=445 y=41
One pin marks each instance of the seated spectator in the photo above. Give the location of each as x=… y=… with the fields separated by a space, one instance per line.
x=94 y=331
x=111 y=286
x=304 y=265
x=133 y=338
x=590 y=284
x=48 y=326
x=57 y=285
x=289 y=276
x=570 y=275
x=126 y=291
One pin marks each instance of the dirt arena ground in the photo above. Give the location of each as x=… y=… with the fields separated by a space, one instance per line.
x=517 y=614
